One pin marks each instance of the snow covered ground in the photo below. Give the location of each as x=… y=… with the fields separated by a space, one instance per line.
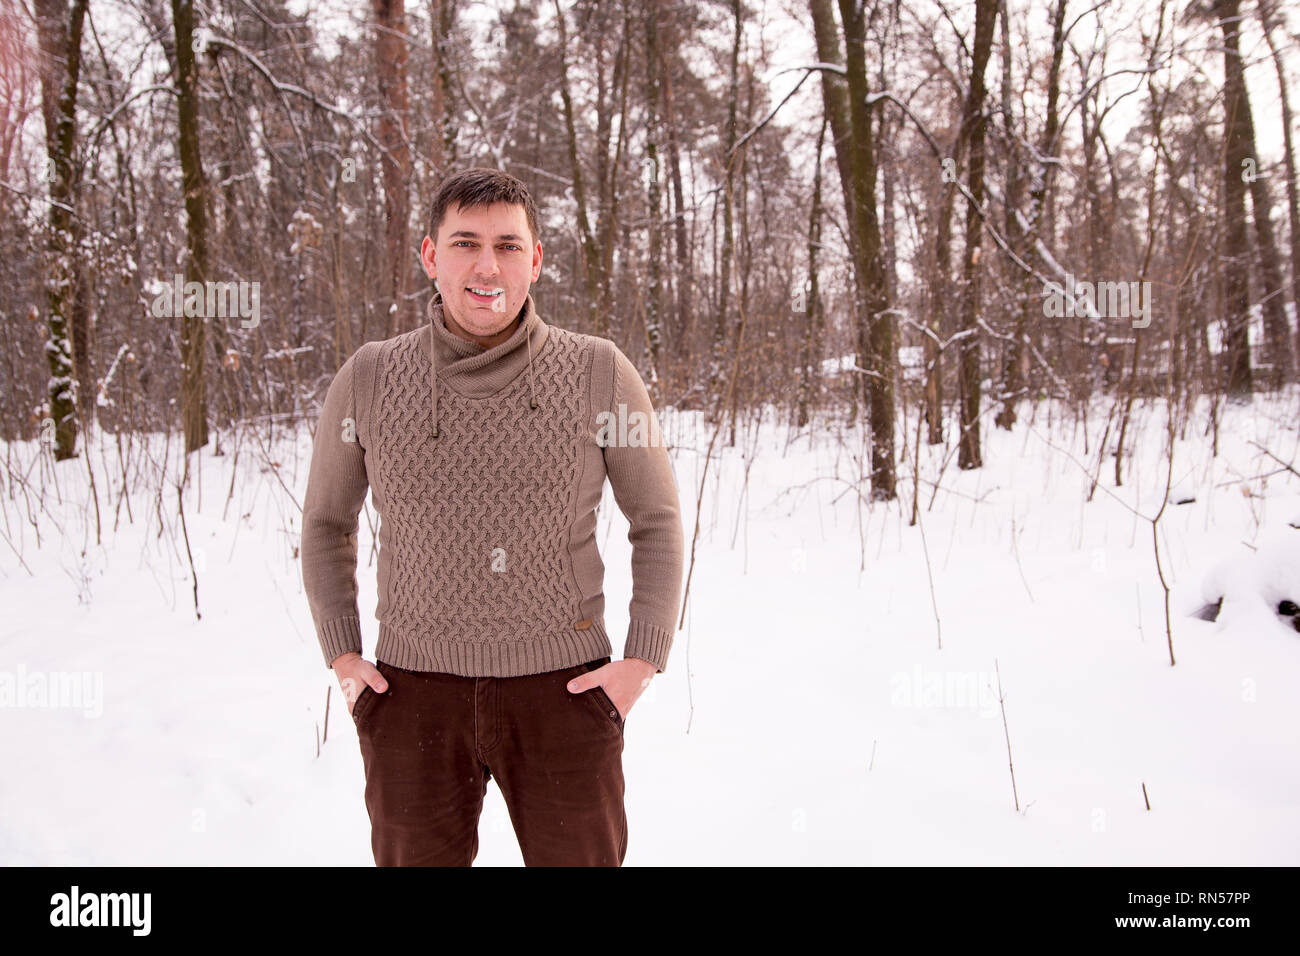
x=807 y=715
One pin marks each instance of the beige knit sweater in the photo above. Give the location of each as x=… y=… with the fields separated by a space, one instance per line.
x=486 y=467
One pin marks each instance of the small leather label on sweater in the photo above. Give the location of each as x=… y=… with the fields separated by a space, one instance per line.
x=583 y=624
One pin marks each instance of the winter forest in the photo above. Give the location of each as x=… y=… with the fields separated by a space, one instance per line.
x=972 y=331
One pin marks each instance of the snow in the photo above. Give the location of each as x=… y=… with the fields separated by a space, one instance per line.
x=1253 y=581
x=843 y=363
x=807 y=714
x=911 y=357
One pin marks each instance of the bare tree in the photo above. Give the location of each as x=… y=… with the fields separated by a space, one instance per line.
x=592 y=261
x=59 y=29
x=731 y=157
x=654 y=293
x=973 y=121
x=194 y=402
x=1027 y=226
x=851 y=128
x=442 y=20
x=391 y=52
x=811 y=339
x=1237 y=156
x=1268 y=16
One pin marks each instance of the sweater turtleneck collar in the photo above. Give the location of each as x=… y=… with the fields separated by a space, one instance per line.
x=475 y=371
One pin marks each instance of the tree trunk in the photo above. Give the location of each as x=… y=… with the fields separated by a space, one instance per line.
x=395 y=158
x=938 y=291
x=442 y=18
x=1042 y=170
x=59 y=28
x=1234 y=256
x=591 y=257
x=608 y=179
x=1277 y=331
x=968 y=453
x=810 y=344
x=681 y=347
x=728 y=228
x=1268 y=13
x=194 y=402
x=654 y=297
x=875 y=338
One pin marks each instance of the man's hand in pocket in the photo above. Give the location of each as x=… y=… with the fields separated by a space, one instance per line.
x=354 y=673
x=622 y=681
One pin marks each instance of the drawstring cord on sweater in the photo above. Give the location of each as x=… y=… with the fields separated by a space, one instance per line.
x=533 y=401
x=433 y=365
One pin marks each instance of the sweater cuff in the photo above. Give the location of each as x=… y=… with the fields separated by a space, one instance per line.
x=648 y=642
x=339 y=636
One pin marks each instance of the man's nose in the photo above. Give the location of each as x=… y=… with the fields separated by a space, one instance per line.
x=486 y=264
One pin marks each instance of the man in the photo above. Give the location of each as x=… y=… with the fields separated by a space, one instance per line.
x=485 y=438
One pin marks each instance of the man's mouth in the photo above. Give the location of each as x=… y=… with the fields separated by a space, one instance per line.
x=484 y=293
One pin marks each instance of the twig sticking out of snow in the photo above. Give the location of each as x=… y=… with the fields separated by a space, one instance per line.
x=1010 y=763
x=326 y=735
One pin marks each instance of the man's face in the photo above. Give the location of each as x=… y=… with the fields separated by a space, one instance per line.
x=483 y=249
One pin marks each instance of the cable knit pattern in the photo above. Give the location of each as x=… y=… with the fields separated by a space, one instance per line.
x=488 y=560
x=487 y=502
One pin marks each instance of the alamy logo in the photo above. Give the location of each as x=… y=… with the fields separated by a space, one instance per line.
x=210 y=300
x=1113 y=300
x=955 y=690
x=102 y=909
x=627 y=430
x=83 y=690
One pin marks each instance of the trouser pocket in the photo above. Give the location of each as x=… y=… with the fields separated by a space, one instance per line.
x=366 y=699
x=362 y=703
x=598 y=695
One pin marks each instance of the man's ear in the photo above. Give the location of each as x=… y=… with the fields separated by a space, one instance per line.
x=427 y=257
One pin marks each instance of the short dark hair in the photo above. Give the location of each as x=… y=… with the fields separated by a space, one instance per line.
x=478 y=186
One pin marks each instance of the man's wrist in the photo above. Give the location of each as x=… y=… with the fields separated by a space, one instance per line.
x=347 y=656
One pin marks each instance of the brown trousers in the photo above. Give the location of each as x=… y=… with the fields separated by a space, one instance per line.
x=431 y=742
